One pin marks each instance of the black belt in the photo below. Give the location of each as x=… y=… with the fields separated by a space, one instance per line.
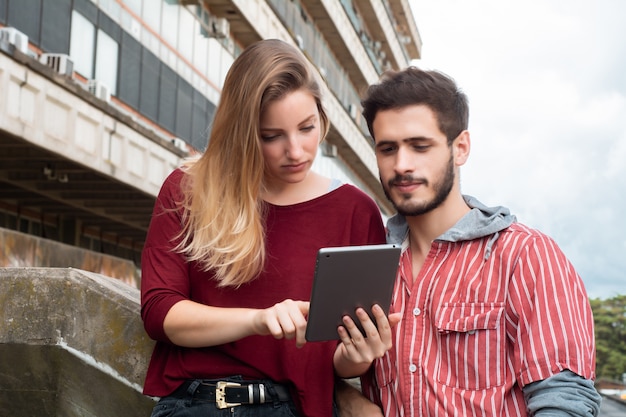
x=231 y=394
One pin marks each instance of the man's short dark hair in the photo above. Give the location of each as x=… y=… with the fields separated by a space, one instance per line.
x=414 y=86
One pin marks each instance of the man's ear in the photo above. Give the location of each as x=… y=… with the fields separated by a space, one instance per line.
x=461 y=148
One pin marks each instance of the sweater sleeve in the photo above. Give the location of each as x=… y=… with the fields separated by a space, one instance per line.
x=164 y=274
x=563 y=394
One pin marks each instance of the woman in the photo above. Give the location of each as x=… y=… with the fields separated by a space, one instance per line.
x=230 y=253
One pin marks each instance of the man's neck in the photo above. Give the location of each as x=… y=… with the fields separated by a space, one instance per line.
x=425 y=228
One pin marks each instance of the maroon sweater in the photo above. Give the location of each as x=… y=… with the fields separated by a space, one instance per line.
x=344 y=216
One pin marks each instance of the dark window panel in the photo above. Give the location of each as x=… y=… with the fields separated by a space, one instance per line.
x=68 y=231
x=149 y=97
x=109 y=26
x=11 y=222
x=23 y=225
x=167 y=98
x=3 y=11
x=35 y=228
x=201 y=121
x=129 y=77
x=50 y=232
x=25 y=16
x=55 y=26
x=184 y=109
x=87 y=9
x=108 y=248
x=84 y=242
x=209 y=115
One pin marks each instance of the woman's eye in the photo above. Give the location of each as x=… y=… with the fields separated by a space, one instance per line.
x=308 y=128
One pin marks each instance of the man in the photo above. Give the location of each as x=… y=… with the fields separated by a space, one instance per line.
x=495 y=321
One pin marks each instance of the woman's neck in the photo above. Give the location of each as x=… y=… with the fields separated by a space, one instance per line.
x=285 y=194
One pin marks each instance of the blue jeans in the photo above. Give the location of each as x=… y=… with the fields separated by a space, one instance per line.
x=193 y=407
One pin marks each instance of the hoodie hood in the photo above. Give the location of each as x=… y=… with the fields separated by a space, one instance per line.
x=481 y=221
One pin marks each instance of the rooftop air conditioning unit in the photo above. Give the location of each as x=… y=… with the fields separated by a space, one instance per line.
x=61 y=63
x=180 y=144
x=14 y=37
x=98 y=89
x=221 y=27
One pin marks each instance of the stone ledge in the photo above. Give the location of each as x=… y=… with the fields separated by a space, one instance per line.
x=72 y=344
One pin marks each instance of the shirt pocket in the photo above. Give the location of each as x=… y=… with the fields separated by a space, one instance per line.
x=471 y=345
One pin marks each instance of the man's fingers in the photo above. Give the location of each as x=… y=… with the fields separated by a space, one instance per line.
x=394 y=319
x=344 y=336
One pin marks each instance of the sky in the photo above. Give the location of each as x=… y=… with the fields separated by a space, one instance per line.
x=546 y=82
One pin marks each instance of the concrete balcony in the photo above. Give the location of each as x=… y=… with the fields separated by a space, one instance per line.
x=65 y=153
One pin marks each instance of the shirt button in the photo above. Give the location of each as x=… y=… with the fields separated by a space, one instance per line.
x=412 y=368
x=417 y=311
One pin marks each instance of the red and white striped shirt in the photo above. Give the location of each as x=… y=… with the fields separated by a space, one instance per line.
x=477 y=327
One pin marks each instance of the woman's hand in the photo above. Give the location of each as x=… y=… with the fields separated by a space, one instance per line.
x=356 y=352
x=283 y=320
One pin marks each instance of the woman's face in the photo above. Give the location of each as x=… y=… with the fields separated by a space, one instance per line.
x=290 y=135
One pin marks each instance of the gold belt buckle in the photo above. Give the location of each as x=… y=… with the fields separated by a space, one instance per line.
x=220 y=394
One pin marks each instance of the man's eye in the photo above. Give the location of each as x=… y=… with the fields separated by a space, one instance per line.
x=421 y=148
x=386 y=149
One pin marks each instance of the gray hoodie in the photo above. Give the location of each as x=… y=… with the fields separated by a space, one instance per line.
x=481 y=221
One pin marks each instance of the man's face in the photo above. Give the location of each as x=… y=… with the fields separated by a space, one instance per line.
x=415 y=163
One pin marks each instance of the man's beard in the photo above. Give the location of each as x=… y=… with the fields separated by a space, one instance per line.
x=441 y=188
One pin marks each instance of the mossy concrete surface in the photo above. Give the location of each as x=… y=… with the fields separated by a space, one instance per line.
x=71 y=344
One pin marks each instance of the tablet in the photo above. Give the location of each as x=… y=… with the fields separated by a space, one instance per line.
x=346 y=278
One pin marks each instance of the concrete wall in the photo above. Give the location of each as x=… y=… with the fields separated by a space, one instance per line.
x=71 y=344
x=21 y=249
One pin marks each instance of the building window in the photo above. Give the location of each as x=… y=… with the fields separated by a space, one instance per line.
x=169 y=26
x=93 y=57
x=82 y=44
x=186 y=29
x=107 y=61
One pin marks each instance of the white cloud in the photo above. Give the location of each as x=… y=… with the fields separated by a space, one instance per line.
x=547 y=103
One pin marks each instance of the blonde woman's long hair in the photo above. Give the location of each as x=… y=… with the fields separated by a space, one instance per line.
x=223 y=221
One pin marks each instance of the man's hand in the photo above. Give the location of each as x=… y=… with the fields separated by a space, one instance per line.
x=352 y=403
x=356 y=352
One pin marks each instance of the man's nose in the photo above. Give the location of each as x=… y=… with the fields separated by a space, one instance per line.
x=404 y=161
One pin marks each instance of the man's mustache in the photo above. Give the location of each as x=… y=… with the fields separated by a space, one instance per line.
x=406 y=179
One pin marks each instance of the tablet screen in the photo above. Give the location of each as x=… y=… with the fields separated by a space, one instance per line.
x=346 y=278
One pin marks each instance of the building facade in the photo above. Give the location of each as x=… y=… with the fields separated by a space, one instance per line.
x=101 y=99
